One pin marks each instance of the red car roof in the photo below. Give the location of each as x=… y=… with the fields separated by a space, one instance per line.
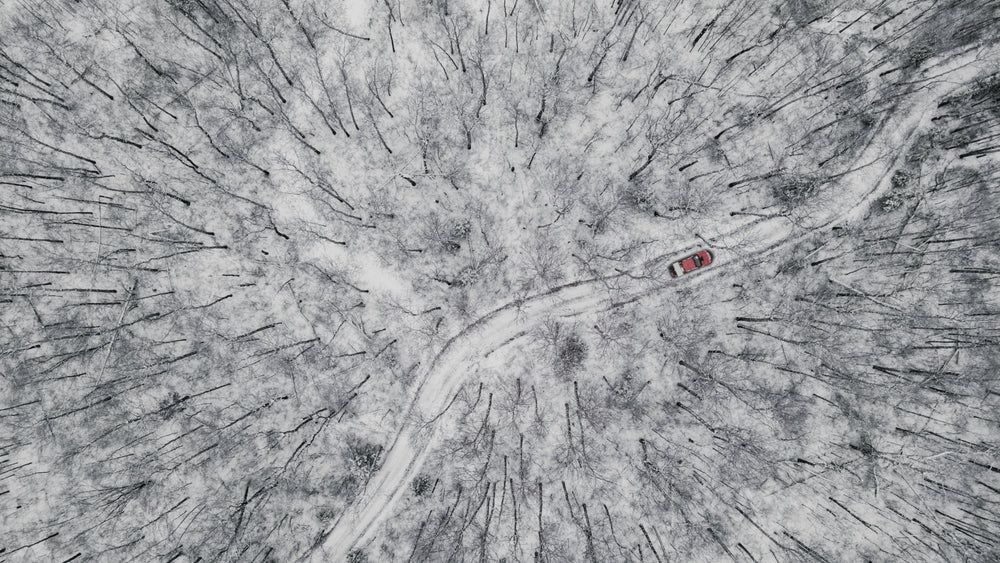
x=688 y=264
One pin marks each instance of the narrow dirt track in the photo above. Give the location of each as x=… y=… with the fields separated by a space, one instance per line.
x=450 y=368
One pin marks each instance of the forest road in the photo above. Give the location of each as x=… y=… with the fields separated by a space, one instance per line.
x=856 y=191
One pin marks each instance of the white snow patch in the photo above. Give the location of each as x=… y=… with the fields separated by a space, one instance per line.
x=356 y=12
x=373 y=275
x=365 y=269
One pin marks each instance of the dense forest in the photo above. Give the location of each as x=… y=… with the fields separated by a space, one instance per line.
x=365 y=281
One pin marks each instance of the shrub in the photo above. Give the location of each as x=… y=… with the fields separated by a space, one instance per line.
x=638 y=196
x=571 y=355
x=422 y=485
x=365 y=456
x=794 y=190
x=455 y=234
x=899 y=192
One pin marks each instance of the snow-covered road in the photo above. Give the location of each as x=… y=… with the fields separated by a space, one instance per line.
x=441 y=379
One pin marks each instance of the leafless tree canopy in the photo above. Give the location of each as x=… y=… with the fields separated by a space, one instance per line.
x=389 y=280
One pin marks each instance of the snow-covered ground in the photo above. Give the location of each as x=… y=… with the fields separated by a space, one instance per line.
x=850 y=201
x=295 y=280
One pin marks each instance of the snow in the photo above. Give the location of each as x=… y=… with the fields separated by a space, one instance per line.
x=439 y=383
x=292 y=268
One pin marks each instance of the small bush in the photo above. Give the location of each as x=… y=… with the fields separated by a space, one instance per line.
x=899 y=192
x=326 y=513
x=793 y=191
x=638 y=196
x=624 y=386
x=460 y=230
x=571 y=355
x=900 y=180
x=357 y=556
x=466 y=276
x=891 y=202
x=365 y=456
x=866 y=446
x=455 y=234
x=422 y=485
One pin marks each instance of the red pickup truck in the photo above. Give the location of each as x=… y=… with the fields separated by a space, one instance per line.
x=697 y=260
